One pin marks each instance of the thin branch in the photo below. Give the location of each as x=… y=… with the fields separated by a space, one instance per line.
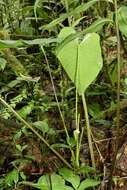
x=35 y=132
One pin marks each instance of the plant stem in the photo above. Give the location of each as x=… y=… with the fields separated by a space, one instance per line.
x=77 y=142
x=61 y=114
x=54 y=90
x=118 y=66
x=35 y=132
x=88 y=131
x=77 y=116
x=118 y=93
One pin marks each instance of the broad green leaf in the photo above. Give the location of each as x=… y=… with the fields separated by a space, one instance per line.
x=122 y=17
x=81 y=60
x=55 y=179
x=44 y=180
x=57 y=182
x=69 y=176
x=88 y=183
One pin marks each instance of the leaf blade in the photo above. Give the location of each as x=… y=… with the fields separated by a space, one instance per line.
x=72 y=56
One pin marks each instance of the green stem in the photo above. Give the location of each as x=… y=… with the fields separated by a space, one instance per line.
x=77 y=142
x=118 y=66
x=88 y=130
x=118 y=94
x=77 y=117
x=54 y=90
x=35 y=132
x=61 y=114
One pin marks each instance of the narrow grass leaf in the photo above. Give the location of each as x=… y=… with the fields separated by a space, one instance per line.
x=81 y=8
x=20 y=43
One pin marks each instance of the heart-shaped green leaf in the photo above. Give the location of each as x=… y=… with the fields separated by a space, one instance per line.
x=81 y=60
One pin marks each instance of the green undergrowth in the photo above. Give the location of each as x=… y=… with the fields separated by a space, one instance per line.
x=63 y=82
